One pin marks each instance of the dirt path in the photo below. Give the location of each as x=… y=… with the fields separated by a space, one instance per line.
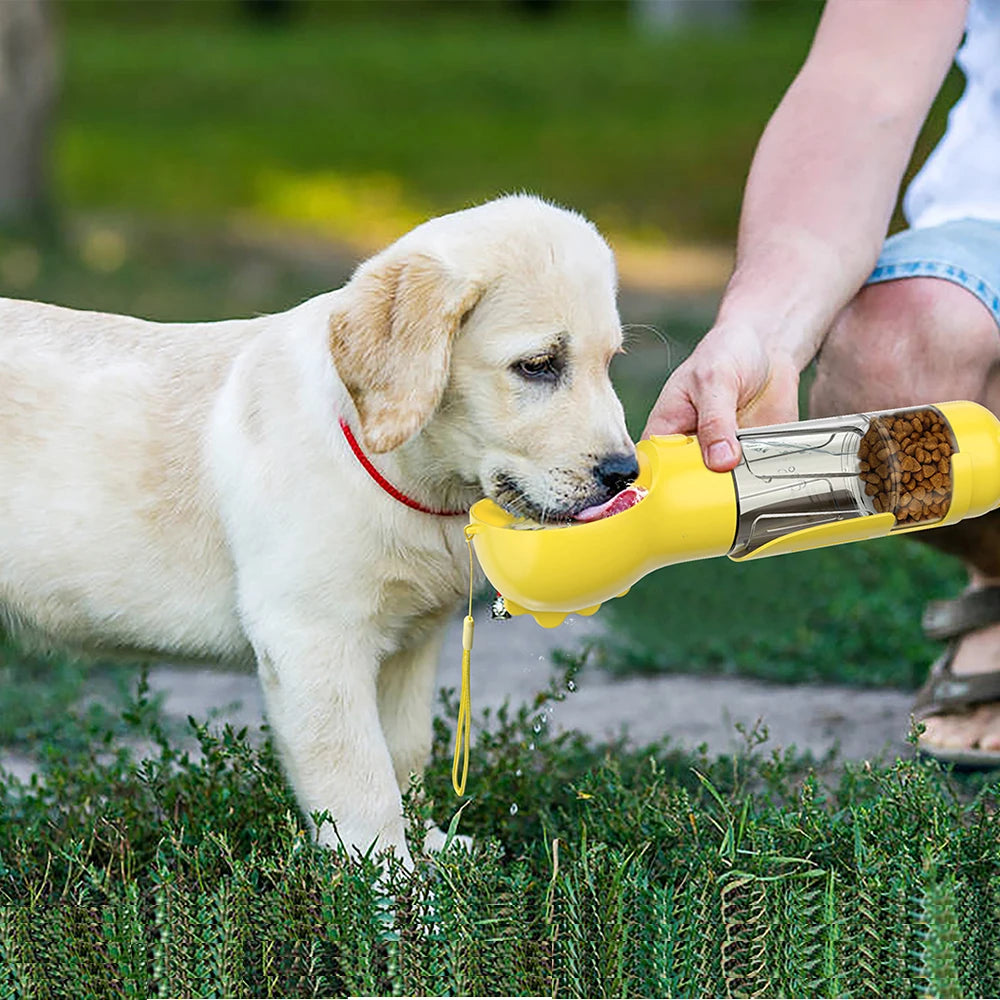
x=511 y=660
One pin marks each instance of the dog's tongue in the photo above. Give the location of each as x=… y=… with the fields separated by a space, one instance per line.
x=628 y=497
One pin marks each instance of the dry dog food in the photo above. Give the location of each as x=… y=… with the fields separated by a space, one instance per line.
x=906 y=465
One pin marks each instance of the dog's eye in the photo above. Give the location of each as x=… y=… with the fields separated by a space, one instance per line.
x=544 y=366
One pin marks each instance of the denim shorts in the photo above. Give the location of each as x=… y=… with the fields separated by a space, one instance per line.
x=966 y=251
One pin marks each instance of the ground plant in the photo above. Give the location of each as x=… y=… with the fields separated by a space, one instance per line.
x=599 y=869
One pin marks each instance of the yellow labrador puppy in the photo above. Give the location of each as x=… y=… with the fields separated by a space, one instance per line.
x=291 y=489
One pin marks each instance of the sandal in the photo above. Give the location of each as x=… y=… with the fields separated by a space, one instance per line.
x=944 y=692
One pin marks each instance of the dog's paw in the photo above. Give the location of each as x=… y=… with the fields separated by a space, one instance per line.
x=435 y=839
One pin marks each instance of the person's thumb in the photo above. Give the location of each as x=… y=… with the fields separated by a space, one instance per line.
x=717 y=427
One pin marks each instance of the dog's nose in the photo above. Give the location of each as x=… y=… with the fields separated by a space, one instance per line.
x=615 y=472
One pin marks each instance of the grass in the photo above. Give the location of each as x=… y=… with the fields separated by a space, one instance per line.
x=844 y=616
x=166 y=271
x=352 y=127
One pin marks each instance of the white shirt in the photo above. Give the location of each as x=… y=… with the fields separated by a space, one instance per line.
x=961 y=177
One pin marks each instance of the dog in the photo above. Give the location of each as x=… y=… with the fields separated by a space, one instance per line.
x=290 y=491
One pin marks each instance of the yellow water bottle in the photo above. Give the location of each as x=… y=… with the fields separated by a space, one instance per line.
x=798 y=486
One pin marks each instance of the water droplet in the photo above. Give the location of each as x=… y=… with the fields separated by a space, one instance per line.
x=513 y=809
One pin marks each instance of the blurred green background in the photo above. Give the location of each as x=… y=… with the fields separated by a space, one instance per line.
x=219 y=158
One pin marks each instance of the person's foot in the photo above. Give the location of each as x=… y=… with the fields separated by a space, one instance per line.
x=972 y=623
x=979 y=727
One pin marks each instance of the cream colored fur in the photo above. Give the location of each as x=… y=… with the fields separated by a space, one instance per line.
x=185 y=489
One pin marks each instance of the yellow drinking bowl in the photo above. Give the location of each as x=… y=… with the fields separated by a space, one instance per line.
x=550 y=572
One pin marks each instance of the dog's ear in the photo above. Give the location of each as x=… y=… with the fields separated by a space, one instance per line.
x=391 y=342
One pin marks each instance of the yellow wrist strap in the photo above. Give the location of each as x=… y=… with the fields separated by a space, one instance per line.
x=461 y=757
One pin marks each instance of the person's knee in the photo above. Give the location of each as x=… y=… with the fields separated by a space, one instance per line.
x=917 y=340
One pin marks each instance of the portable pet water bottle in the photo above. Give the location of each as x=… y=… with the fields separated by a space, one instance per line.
x=798 y=486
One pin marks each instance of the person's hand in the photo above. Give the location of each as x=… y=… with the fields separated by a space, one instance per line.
x=732 y=378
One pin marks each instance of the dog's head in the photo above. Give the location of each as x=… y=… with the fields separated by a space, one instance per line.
x=489 y=333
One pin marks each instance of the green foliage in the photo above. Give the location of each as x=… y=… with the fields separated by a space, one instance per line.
x=624 y=872
x=41 y=687
x=941 y=936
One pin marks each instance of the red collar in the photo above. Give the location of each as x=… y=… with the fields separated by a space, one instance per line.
x=385 y=484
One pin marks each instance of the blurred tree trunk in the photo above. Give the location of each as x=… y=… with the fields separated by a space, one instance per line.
x=27 y=93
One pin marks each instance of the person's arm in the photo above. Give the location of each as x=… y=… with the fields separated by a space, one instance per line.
x=816 y=209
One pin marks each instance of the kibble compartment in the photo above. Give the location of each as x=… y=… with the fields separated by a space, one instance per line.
x=905 y=463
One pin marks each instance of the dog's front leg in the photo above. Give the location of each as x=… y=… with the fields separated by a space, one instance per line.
x=405 y=696
x=321 y=700
x=405 y=703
